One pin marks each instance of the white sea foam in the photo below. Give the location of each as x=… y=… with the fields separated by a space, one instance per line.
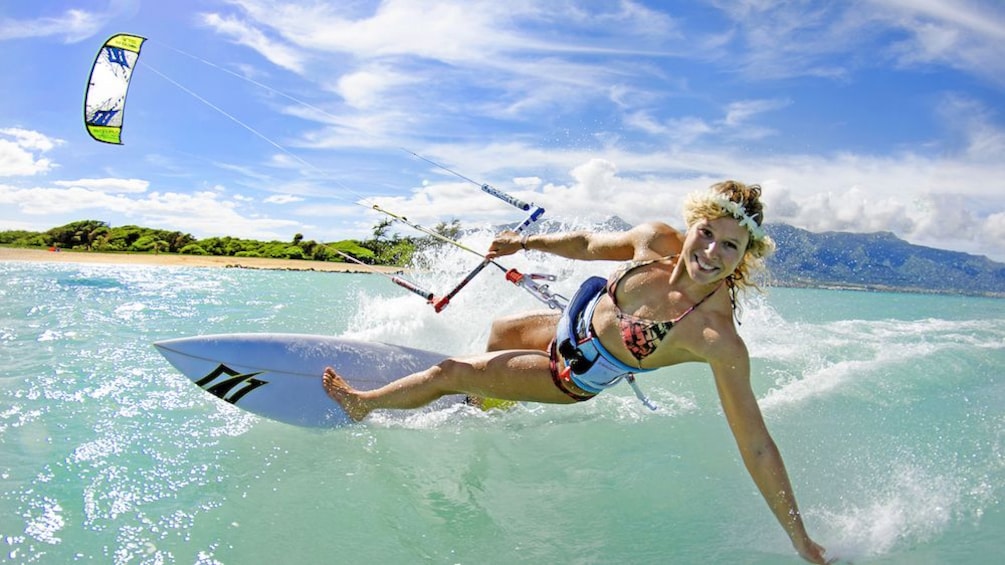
x=463 y=325
x=911 y=507
x=45 y=520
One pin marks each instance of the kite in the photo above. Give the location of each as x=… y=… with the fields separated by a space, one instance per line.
x=105 y=100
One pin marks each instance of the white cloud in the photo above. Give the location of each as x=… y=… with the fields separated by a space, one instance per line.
x=243 y=33
x=15 y=161
x=31 y=140
x=72 y=26
x=459 y=31
x=401 y=64
x=44 y=200
x=972 y=123
x=686 y=130
x=966 y=35
x=106 y=185
x=946 y=201
x=283 y=199
x=735 y=123
x=995 y=226
x=362 y=89
x=20 y=149
x=826 y=39
x=441 y=30
x=739 y=113
x=205 y=212
x=596 y=177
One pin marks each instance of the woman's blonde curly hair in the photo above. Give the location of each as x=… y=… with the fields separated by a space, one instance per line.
x=704 y=206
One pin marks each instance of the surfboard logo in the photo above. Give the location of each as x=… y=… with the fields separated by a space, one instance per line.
x=233 y=385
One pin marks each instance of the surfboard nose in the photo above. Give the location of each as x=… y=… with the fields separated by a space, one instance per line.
x=279 y=375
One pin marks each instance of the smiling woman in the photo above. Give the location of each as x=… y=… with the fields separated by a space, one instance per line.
x=672 y=303
x=749 y=211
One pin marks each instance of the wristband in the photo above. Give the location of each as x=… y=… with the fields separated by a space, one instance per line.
x=523 y=241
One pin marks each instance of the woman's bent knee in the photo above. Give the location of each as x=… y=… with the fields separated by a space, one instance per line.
x=504 y=333
x=523 y=331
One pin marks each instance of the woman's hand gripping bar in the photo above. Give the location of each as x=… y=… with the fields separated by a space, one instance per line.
x=534 y=216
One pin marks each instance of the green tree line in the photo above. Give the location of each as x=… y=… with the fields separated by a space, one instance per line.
x=384 y=248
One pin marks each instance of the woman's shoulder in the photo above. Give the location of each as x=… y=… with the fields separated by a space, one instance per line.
x=656 y=239
x=719 y=336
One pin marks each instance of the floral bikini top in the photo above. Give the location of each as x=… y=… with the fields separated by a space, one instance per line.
x=642 y=336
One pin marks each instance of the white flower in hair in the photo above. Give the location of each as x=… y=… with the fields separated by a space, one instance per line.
x=737 y=210
x=734 y=209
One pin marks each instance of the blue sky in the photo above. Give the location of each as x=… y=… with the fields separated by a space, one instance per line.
x=266 y=118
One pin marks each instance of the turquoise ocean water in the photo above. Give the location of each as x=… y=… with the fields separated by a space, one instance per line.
x=889 y=410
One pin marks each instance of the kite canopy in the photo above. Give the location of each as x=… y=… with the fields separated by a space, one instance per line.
x=105 y=100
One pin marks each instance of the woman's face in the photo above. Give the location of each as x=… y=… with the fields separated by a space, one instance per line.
x=715 y=248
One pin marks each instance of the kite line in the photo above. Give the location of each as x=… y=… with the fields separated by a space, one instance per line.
x=105 y=104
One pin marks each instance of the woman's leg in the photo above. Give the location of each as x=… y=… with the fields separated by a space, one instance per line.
x=533 y=330
x=523 y=375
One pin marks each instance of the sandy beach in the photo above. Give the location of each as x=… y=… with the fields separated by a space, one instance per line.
x=173 y=260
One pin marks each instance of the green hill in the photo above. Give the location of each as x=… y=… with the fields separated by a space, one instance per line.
x=878 y=261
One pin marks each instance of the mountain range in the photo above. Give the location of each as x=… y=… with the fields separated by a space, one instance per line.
x=878 y=261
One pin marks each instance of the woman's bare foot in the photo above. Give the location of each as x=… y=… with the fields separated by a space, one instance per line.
x=345 y=395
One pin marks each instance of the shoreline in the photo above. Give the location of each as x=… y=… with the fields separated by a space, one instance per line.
x=175 y=260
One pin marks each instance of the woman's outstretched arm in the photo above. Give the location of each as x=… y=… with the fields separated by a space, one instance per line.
x=758 y=450
x=644 y=241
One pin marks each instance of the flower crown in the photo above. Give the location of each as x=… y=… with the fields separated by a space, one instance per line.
x=734 y=209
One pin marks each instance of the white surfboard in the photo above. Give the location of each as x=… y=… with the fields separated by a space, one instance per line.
x=278 y=376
